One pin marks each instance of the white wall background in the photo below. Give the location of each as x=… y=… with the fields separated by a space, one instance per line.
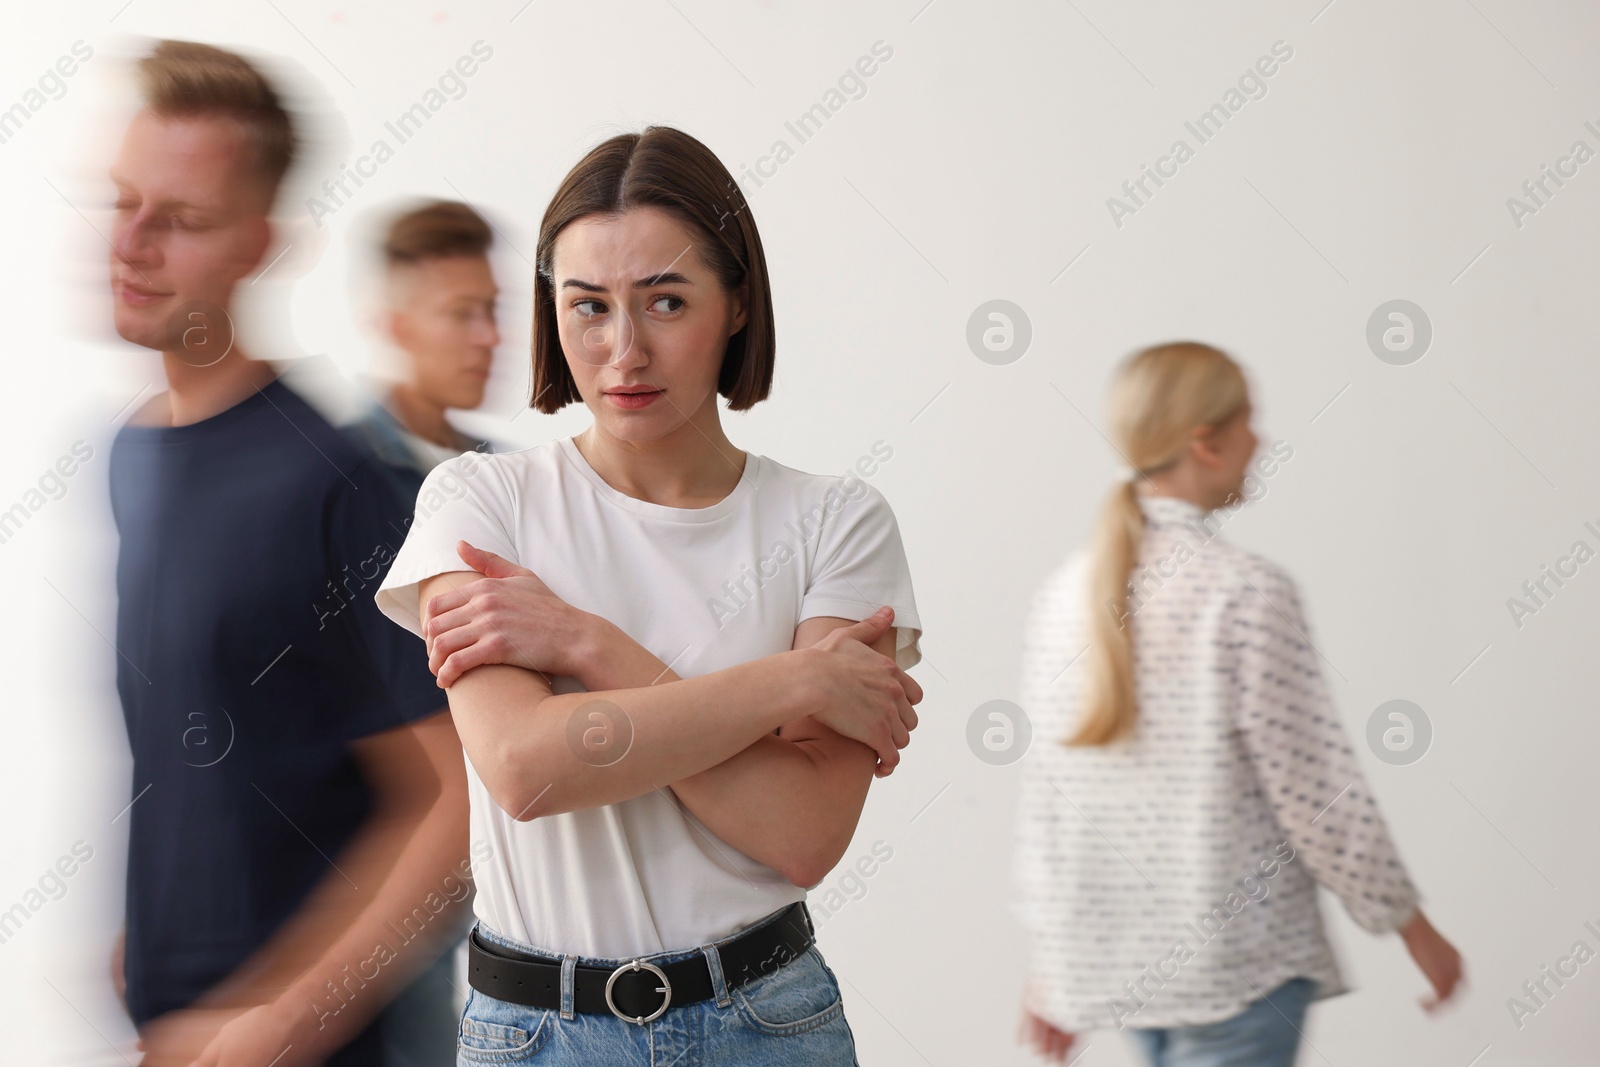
x=977 y=166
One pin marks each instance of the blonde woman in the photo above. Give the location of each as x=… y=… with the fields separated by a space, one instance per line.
x=1194 y=784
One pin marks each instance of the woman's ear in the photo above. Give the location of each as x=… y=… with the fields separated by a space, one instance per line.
x=739 y=299
x=1203 y=446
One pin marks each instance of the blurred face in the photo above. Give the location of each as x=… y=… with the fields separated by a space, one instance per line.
x=1234 y=444
x=190 y=222
x=643 y=321
x=442 y=314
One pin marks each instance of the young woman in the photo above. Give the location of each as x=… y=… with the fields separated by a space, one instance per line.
x=672 y=687
x=1169 y=847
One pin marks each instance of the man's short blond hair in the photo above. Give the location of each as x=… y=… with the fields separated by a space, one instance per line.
x=186 y=78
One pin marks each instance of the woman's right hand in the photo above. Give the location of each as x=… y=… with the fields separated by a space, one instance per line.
x=1437 y=958
x=508 y=616
x=862 y=694
x=1044 y=1037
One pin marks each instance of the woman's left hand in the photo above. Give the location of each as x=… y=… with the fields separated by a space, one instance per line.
x=510 y=616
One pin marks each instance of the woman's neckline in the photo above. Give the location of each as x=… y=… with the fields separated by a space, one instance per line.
x=748 y=479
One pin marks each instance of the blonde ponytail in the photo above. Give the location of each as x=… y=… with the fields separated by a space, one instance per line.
x=1160 y=396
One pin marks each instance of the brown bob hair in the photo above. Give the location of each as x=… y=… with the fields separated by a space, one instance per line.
x=664 y=168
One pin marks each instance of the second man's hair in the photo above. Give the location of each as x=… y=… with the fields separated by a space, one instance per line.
x=437 y=230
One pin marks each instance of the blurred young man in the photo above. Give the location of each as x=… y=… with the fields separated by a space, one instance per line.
x=437 y=313
x=298 y=811
x=435 y=310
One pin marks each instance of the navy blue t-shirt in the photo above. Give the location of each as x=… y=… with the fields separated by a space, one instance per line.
x=251 y=653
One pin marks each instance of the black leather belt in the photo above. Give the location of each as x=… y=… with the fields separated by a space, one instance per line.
x=637 y=991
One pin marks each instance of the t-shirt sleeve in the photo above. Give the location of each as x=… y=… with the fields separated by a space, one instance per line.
x=462 y=499
x=366 y=518
x=861 y=566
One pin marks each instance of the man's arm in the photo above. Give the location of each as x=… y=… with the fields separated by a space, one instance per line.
x=432 y=851
x=406 y=856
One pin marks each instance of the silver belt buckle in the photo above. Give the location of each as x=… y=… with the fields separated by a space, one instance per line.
x=664 y=987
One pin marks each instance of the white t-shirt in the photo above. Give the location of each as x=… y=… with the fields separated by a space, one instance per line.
x=701 y=588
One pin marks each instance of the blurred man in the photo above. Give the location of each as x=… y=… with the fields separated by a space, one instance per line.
x=437 y=312
x=435 y=309
x=298 y=819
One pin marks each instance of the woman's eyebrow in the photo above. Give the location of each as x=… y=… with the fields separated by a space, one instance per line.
x=670 y=277
x=666 y=277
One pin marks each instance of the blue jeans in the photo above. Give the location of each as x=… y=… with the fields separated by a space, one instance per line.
x=1266 y=1034
x=419 y=1024
x=791 y=1016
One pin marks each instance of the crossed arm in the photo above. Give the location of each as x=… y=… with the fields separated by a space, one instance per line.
x=739 y=747
x=791 y=799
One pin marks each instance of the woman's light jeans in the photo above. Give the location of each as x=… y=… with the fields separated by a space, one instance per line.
x=1265 y=1034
